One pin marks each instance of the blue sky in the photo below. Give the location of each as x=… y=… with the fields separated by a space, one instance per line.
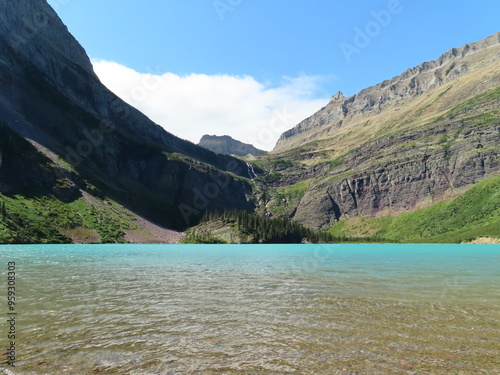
x=287 y=58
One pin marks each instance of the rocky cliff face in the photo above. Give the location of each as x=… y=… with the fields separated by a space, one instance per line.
x=227 y=145
x=423 y=136
x=401 y=172
x=403 y=90
x=50 y=95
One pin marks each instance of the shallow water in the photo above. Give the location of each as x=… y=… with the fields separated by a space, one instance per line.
x=255 y=309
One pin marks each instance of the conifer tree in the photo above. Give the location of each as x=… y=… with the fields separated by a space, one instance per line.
x=3 y=210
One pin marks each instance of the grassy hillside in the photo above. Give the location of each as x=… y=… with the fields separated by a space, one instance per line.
x=44 y=206
x=472 y=215
x=33 y=218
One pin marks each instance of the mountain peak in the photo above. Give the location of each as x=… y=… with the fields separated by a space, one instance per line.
x=337 y=97
x=34 y=30
x=227 y=145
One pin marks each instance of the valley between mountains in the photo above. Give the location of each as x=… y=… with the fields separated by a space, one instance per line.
x=412 y=159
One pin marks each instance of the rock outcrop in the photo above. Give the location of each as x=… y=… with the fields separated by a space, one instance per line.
x=229 y=146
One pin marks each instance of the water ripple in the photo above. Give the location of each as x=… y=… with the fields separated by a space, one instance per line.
x=172 y=312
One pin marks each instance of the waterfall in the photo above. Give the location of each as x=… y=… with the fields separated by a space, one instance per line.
x=251 y=172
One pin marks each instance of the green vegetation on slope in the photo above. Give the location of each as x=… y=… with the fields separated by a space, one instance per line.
x=42 y=218
x=287 y=198
x=474 y=214
x=30 y=221
x=44 y=206
x=474 y=102
x=249 y=228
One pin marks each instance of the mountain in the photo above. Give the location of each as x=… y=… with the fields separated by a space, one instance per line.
x=471 y=216
x=460 y=72
x=424 y=136
x=227 y=145
x=66 y=136
x=415 y=158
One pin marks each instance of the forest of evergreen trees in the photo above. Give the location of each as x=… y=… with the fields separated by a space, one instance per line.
x=268 y=230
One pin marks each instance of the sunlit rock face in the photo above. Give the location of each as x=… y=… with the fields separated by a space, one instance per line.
x=342 y=112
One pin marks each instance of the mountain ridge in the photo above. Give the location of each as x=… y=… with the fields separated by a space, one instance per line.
x=372 y=155
x=225 y=144
x=341 y=111
x=52 y=98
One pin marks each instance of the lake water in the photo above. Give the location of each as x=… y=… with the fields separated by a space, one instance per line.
x=254 y=309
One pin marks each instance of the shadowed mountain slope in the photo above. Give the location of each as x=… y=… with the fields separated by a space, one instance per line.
x=50 y=96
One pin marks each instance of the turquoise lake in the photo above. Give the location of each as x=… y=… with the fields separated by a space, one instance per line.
x=253 y=309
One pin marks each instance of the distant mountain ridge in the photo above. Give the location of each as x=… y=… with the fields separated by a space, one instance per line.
x=227 y=145
x=342 y=112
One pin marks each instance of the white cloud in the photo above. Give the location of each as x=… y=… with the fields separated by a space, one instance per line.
x=198 y=104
